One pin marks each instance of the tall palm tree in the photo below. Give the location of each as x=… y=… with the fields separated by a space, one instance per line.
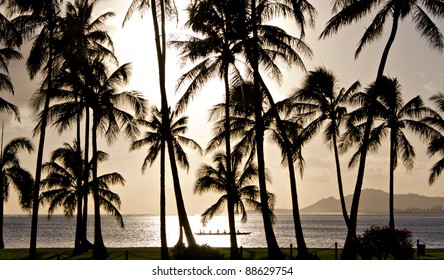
x=61 y=182
x=437 y=139
x=265 y=45
x=398 y=116
x=109 y=106
x=320 y=100
x=12 y=174
x=161 y=10
x=83 y=40
x=156 y=141
x=210 y=178
x=214 y=48
x=348 y=12
x=38 y=16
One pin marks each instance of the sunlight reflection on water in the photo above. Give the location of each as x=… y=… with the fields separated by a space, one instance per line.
x=320 y=231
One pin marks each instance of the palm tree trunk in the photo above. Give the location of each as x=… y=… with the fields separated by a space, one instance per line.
x=163 y=235
x=179 y=198
x=389 y=44
x=302 y=247
x=77 y=241
x=36 y=189
x=99 y=250
x=86 y=245
x=339 y=177
x=2 y=205
x=350 y=245
x=392 y=179
x=274 y=252
x=349 y=251
x=179 y=242
x=161 y=55
x=234 y=251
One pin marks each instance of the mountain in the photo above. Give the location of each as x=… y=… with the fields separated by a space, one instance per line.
x=376 y=202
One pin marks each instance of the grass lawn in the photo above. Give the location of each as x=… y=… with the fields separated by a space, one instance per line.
x=154 y=254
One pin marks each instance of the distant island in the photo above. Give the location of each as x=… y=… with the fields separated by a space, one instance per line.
x=376 y=202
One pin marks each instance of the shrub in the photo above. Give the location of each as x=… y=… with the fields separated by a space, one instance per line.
x=383 y=242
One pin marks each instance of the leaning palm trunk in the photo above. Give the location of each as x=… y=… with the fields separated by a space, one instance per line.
x=38 y=176
x=350 y=245
x=44 y=120
x=99 y=249
x=160 y=41
x=274 y=252
x=339 y=178
x=349 y=251
x=302 y=247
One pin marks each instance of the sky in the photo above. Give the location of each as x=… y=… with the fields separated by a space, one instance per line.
x=419 y=70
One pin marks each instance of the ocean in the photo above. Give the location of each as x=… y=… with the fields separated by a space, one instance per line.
x=320 y=231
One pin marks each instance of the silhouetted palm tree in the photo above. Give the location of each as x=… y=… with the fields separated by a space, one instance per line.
x=12 y=174
x=436 y=145
x=161 y=10
x=398 y=116
x=395 y=116
x=81 y=41
x=63 y=171
x=214 y=48
x=351 y=11
x=156 y=142
x=265 y=45
x=109 y=107
x=214 y=179
x=320 y=101
x=43 y=17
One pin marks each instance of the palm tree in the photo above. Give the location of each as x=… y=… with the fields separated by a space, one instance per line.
x=156 y=142
x=351 y=11
x=437 y=139
x=214 y=179
x=83 y=40
x=108 y=106
x=161 y=10
x=41 y=16
x=12 y=174
x=398 y=117
x=319 y=99
x=63 y=171
x=214 y=48
x=265 y=45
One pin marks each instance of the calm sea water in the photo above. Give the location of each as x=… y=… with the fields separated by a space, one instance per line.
x=320 y=231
